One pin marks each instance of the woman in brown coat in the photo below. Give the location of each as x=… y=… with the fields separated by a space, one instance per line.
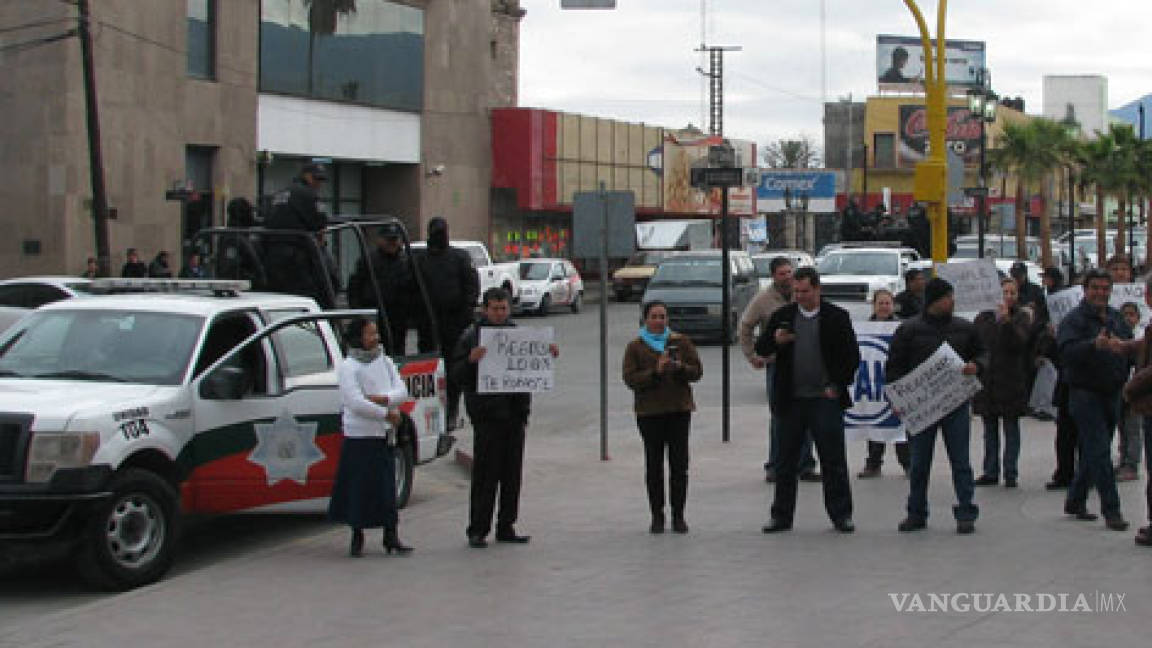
x=1005 y=333
x=659 y=367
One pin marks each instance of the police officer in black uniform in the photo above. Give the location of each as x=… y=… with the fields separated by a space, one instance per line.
x=394 y=278
x=290 y=266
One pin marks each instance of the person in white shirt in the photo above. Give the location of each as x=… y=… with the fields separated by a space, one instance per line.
x=371 y=391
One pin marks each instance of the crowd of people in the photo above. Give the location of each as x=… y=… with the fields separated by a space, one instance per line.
x=1097 y=354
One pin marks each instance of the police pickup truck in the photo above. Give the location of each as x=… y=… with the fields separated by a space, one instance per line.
x=123 y=412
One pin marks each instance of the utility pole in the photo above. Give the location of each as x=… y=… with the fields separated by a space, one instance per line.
x=95 y=157
x=715 y=76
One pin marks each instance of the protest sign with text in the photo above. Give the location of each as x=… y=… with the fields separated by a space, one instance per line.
x=518 y=360
x=932 y=390
x=871 y=416
x=1062 y=303
x=975 y=284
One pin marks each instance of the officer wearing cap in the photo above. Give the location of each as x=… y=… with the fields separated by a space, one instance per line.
x=1030 y=294
x=291 y=266
x=395 y=281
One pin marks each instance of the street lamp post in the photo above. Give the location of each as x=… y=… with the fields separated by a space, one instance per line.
x=982 y=104
x=1072 y=129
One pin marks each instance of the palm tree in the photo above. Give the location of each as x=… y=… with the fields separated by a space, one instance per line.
x=1009 y=157
x=1032 y=151
x=1109 y=164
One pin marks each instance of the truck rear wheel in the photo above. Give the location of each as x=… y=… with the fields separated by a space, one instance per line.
x=130 y=539
x=405 y=472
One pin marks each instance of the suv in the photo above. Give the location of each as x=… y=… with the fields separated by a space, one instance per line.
x=690 y=283
x=856 y=273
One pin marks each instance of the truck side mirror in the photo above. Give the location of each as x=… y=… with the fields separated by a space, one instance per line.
x=226 y=383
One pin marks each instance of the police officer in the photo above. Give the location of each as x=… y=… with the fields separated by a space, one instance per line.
x=453 y=288
x=394 y=278
x=290 y=266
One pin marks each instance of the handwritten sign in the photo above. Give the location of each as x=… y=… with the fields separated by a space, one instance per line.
x=871 y=416
x=518 y=360
x=1063 y=302
x=932 y=390
x=975 y=284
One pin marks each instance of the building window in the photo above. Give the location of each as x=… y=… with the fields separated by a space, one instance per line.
x=202 y=38
x=357 y=51
x=883 y=151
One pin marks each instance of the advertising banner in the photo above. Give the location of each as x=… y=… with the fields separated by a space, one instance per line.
x=680 y=152
x=518 y=360
x=962 y=136
x=818 y=185
x=900 y=62
x=932 y=390
x=871 y=416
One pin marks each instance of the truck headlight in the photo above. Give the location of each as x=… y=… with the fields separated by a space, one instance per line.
x=52 y=451
x=715 y=309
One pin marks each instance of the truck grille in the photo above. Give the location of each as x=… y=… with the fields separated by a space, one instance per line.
x=13 y=444
x=845 y=292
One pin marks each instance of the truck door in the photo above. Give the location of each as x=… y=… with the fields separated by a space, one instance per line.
x=267 y=418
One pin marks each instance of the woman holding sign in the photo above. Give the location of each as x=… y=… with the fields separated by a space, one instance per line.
x=371 y=391
x=883 y=310
x=1005 y=333
x=660 y=367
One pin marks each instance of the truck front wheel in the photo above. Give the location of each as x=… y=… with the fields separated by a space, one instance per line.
x=405 y=471
x=129 y=539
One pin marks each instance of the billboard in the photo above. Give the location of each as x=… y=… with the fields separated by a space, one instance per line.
x=963 y=135
x=900 y=62
x=680 y=152
x=817 y=184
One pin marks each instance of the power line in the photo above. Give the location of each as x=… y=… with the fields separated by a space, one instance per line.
x=36 y=23
x=766 y=86
x=165 y=46
x=38 y=42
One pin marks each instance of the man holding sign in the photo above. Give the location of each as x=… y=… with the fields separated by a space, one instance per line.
x=916 y=341
x=498 y=422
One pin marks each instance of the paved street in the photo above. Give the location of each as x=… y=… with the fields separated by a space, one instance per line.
x=593 y=576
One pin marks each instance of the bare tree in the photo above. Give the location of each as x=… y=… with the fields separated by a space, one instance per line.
x=798 y=153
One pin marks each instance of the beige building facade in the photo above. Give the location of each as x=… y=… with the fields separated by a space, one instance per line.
x=228 y=98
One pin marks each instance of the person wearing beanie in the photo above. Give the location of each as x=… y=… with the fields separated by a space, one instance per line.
x=913 y=343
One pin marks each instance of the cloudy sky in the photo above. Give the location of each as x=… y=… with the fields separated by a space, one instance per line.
x=637 y=63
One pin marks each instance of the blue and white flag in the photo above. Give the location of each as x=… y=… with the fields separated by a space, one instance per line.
x=871 y=416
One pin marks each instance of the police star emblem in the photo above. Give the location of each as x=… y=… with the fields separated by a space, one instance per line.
x=286 y=449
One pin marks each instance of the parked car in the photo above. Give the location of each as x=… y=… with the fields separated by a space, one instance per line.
x=763 y=263
x=547 y=283
x=854 y=273
x=20 y=296
x=691 y=284
x=631 y=280
x=492 y=275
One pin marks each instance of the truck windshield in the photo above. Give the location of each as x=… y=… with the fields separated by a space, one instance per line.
x=530 y=271
x=102 y=346
x=861 y=263
x=688 y=272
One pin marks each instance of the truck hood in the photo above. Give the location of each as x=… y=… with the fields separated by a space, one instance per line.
x=56 y=402
x=683 y=294
x=634 y=272
x=873 y=280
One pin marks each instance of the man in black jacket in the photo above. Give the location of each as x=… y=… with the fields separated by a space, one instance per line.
x=913 y=343
x=453 y=286
x=134 y=267
x=498 y=423
x=1090 y=342
x=910 y=301
x=392 y=270
x=816 y=359
x=291 y=264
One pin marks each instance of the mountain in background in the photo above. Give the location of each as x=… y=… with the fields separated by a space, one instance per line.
x=1127 y=113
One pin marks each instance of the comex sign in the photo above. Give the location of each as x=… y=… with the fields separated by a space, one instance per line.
x=818 y=186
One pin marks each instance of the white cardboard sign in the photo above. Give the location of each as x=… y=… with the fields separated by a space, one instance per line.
x=518 y=360
x=975 y=284
x=932 y=390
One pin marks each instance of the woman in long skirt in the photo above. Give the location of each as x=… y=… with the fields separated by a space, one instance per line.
x=364 y=496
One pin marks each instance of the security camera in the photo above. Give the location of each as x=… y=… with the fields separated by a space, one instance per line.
x=437 y=170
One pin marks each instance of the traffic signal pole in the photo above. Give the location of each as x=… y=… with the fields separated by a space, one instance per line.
x=931 y=179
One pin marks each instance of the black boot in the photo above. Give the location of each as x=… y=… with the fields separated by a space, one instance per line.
x=392 y=542
x=356 y=549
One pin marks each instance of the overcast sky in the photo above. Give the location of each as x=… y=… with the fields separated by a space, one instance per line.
x=637 y=63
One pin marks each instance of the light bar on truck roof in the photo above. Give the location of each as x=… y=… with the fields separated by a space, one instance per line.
x=218 y=286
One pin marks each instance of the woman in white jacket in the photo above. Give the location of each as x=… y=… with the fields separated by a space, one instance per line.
x=364 y=496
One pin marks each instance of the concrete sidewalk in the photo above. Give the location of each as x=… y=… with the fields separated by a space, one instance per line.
x=593 y=576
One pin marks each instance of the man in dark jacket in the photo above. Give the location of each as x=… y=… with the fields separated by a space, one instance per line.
x=452 y=285
x=392 y=270
x=910 y=301
x=1031 y=295
x=913 y=343
x=1090 y=342
x=816 y=359
x=1045 y=347
x=133 y=266
x=159 y=268
x=498 y=423
x=292 y=265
